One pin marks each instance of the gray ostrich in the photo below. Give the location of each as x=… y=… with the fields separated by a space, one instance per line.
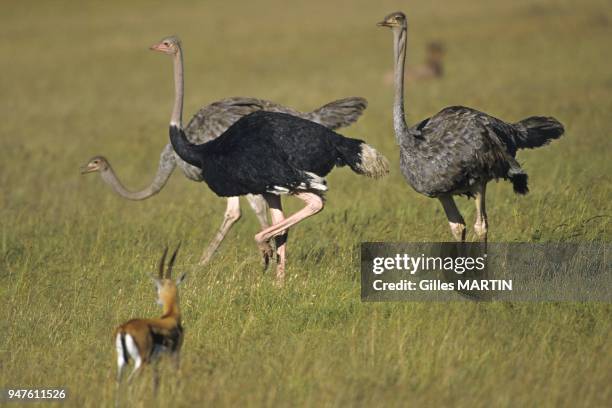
x=459 y=150
x=207 y=124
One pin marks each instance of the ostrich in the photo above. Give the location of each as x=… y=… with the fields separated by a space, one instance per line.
x=459 y=150
x=208 y=123
x=272 y=153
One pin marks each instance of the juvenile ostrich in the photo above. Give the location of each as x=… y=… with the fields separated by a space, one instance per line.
x=271 y=154
x=432 y=68
x=459 y=150
x=207 y=124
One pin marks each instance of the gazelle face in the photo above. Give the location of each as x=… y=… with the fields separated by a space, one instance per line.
x=168 y=45
x=97 y=163
x=167 y=289
x=394 y=20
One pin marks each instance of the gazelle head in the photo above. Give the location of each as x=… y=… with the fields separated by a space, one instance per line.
x=167 y=292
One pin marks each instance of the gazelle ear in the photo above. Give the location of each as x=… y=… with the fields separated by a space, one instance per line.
x=181 y=279
x=155 y=280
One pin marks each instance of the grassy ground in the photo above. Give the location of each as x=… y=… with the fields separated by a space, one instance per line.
x=77 y=80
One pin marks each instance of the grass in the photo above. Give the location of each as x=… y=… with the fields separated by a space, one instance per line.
x=77 y=80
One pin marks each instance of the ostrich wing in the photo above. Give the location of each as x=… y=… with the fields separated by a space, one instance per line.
x=254 y=167
x=212 y=120
x=457 y=147
x=253 y=156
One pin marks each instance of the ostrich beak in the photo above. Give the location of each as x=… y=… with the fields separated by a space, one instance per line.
x=86 y=169
x=383 y=24
x=160 y=47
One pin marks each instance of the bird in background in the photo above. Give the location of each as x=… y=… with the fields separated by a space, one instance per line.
x=207 y=124
x=271 y=154
x=459 y=150
x=431 y=68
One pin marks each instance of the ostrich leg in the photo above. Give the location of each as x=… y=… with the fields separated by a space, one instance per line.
x=276 y=213
x=232 y=214
x=457 y=224
x=259 y=206
x=314 y=204
x=481 y=225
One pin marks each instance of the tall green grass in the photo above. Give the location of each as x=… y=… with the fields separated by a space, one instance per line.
x=77 y=80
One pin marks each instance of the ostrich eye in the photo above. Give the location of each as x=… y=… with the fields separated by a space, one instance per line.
x=167 y=44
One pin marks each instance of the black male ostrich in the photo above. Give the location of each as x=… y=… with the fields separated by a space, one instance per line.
x=459 y=150
x=273 y=153
x=208 y=123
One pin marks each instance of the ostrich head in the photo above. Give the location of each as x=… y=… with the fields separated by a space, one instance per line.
x=97 y=163
x=395 y=21
x=168 y=45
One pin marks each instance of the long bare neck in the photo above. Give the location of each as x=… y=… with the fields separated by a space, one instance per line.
x=399 y=48
x=166 y=166
x=181 y=145
x=177 y=111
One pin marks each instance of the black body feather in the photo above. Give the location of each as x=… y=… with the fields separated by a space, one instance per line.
x=269 y=152
x=214 y=119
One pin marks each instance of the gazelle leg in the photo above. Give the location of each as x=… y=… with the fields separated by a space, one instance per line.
x=121 y=363
x=455 y=220
x=155 y=378
x=259 y=206
x=135 y=371
x=481 y=225
x=132 y=349
x=232 y=214
x=276 y=213
x=314 y=204
x=176 y=360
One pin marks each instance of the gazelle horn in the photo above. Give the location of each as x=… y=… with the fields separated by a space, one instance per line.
x=161 y=263
x=171 y=263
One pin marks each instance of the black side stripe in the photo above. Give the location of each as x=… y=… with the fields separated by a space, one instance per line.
x=126 y=355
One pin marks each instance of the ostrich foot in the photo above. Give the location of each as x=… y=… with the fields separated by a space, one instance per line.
x=281 y=257
x=481 y=232
x=279 y=282
x=266 y=250
x=458 y=230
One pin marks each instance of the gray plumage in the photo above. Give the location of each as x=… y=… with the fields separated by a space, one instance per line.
x=461 y=147
x=459 y=150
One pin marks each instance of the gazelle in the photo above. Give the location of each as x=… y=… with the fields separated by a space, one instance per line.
x=145 y=340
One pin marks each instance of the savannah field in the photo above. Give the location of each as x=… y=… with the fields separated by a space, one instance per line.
x=78 y=80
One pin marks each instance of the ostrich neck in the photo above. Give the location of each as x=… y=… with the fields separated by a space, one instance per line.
x=179 y=141
x=177 y=111
x=163 y=174
x=399 y=120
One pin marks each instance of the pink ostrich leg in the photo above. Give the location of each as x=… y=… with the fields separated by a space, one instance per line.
x=280 y=224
